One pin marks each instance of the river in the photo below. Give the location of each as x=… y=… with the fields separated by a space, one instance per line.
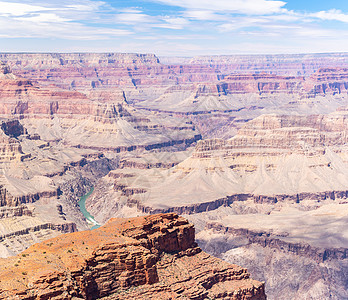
x=88 y=216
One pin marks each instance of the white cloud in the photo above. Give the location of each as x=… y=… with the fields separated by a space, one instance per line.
x=203 y=15
x=133 y=18
x=66 y=31
x=285 y=17
x=331 y=15
x=43 y=18
x=258 y=7
x=64 y=9
x=89 y=6
x=55 y=19
x=143 y=22
x=242 y=22
x=130 y=10
x=174 y=23
x=315 y=32
x=19 y=9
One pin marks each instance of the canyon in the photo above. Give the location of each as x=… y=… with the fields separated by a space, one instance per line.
x=250 y=149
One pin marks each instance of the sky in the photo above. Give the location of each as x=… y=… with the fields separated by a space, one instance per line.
x=174 y=27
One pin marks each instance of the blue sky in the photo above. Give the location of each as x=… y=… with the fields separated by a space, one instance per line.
x=174 y=27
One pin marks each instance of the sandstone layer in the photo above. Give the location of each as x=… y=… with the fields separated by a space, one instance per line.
x=146 y=257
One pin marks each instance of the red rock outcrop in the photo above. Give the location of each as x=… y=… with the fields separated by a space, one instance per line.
x=141 y=258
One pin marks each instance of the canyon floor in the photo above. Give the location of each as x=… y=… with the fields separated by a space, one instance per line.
x=251 y=149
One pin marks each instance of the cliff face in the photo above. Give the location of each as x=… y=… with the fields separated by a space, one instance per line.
x=291 y=247
x=276 y=194
x=52 y=60
x=155 y=256
x=261 y=84
x=96 y=119
x=328 y=81
x=239 y=87
x=257 y=74
x=109 y=70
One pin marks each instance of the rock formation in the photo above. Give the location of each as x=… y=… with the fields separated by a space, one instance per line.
x=292 y=248
x=273 y=155
x=327 y=81
x=153 y=256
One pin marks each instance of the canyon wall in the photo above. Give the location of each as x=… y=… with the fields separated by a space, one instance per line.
x=282 y=64
x=230 y=89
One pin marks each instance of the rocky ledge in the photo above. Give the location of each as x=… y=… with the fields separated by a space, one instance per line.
x=153 y=257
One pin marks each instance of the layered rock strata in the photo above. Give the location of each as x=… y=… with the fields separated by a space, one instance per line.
x=282 y=64
x=135 y=73
x=274 y=158
x=291 y=247
x=138 y=257
x=228 y=88
x=96 y=120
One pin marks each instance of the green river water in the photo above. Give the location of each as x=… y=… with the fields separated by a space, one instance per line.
x=88 y=216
